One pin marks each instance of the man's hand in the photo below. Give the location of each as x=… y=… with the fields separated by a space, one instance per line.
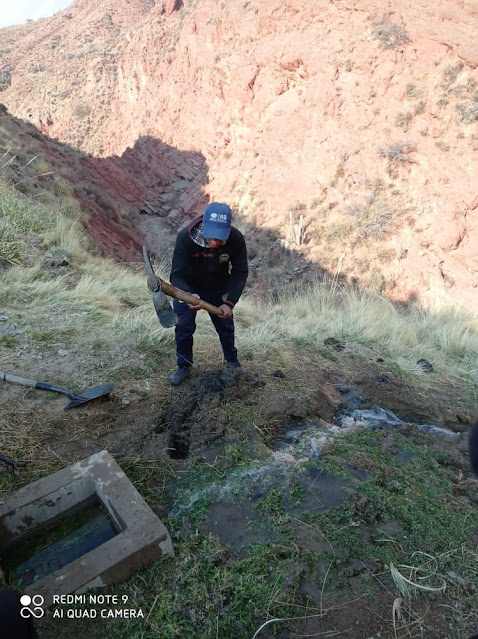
x=196 y=307
x=226 y=311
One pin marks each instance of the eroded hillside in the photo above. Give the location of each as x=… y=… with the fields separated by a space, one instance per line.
x=358 y=117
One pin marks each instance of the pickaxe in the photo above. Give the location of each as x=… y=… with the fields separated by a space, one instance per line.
x=161 y=289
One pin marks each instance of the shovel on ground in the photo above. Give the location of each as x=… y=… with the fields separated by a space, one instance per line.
x=160 y=289
x=76 y=399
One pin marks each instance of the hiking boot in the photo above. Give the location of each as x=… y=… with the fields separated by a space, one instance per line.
x=179 y=375
x=235 y=367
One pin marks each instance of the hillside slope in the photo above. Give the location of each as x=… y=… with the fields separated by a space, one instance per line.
x=359 y=117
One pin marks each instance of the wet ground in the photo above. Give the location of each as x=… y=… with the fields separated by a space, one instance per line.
x=278 y=476
x=248 y=452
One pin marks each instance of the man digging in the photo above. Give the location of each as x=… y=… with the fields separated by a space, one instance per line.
x=210 y=261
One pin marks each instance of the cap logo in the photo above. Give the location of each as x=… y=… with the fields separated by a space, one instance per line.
x=218 y=217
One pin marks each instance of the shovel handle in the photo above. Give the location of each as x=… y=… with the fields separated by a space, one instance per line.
x=13 y=379
x=17 y=380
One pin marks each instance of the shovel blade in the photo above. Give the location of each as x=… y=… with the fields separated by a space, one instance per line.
x=91 y=393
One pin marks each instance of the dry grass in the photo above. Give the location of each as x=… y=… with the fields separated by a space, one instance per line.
x=115 y=305
x=443 y=334
x=390 y=35
x=27 y=227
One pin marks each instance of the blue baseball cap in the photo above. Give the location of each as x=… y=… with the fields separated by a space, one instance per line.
x=216 y=222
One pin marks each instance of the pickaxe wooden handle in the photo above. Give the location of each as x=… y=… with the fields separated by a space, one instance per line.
x=189 y=298
x=183 y=296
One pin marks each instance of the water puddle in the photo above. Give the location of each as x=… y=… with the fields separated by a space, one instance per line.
x=234 y=501
x=41 y=553
x=236 y=524
x=244 y=483
x=322 y=490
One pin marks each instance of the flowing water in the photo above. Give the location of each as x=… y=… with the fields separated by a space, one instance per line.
x=233 y=499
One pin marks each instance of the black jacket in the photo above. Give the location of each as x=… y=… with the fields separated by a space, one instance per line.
x=195 y=267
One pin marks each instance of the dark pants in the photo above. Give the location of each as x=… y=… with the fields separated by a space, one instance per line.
x=184 y=331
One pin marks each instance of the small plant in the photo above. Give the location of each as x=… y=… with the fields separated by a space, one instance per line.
x=398 y=151
x=362 y=266
x=470 y=84
x=81 y=111
x=316 y=202
x=450 y=74
x=338 y=231
x=272 y=504
x=5 y=79
x=385 y=256
x=413 y=91
x=442 y=145
x=35 y=67
x=469 y=112
x=419 y=107
x=390 y=35
x=375 y=218
x=234 y=453
x=8 y=341
x=299 y=206
x=376 y=282
x=403 y=119
x=376 y=185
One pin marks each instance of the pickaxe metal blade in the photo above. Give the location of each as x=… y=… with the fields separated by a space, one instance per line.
x=166 y=316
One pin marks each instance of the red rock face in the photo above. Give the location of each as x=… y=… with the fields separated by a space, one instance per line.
x=362 y=119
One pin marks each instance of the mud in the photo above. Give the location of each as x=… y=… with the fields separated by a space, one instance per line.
x=237 y=525
x=322 y=491
x=240 y=524
x=196 y=417
x=291 y=420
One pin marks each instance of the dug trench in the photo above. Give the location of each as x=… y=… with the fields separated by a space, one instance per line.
x=195 y=419
x=201 y=418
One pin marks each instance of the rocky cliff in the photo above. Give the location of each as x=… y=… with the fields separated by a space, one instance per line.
x=350 y=127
